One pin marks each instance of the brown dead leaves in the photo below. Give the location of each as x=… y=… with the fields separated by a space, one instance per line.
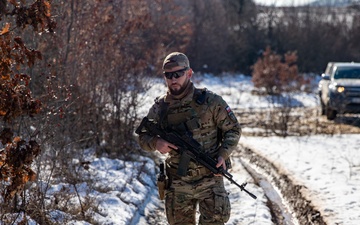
x=15 y=162
x=16 y=99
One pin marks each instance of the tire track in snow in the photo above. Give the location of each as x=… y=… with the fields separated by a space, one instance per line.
x=300 y=207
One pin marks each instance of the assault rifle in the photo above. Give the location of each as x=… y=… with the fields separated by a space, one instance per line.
x=189 y=148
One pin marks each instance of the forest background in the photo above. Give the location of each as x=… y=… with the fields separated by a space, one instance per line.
x=85 y=63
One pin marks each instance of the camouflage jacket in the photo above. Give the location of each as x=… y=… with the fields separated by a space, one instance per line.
x=203 y=114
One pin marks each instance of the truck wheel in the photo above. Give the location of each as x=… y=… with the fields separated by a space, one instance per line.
x=323 y=108
x=330 y=113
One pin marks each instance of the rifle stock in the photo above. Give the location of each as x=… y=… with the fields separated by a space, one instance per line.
x=189 y=148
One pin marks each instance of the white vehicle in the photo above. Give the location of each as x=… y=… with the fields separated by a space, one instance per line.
x=339 y=89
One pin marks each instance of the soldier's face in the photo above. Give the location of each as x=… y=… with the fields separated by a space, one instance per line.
x=178 y=85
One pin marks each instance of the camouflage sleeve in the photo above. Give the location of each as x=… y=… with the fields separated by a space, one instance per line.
x=147 y=141
x=229 y=126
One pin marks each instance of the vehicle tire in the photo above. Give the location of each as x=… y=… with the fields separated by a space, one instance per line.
x=323 y=108
x=330 y=113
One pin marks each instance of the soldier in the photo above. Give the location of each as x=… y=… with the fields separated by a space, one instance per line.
x=209 y=120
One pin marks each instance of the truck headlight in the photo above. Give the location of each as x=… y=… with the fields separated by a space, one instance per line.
x=340 y=89
x=336 y=88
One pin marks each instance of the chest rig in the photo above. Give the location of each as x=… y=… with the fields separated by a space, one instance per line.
x=189 y=117
x=183 y=116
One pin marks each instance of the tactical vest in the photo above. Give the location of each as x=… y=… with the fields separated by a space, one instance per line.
x=192 y=118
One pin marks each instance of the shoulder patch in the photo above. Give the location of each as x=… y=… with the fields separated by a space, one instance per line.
x=230 y=113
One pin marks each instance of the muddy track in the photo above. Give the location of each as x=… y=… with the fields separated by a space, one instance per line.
x=289 y=122
x=301 y=208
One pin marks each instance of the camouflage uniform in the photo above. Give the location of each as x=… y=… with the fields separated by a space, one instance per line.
x=210 y=121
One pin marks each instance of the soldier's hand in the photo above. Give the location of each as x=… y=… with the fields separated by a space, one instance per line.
x=221 y=162
x=163 y=146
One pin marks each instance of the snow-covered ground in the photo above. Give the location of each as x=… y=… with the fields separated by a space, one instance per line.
x=328 y=166
x=283 y=2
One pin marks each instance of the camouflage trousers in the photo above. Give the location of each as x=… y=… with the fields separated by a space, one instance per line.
x=209 y=194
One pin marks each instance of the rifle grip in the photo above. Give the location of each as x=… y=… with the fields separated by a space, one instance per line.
x=183 y=164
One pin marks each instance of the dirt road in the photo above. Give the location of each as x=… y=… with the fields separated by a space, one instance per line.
x=288 y=122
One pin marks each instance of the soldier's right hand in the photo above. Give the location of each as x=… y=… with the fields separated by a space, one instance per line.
x=163 y=146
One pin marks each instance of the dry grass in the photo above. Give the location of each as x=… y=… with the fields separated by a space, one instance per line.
x=298 y=122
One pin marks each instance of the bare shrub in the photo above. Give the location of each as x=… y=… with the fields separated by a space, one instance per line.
x=277 y=78
x=16 y=99
x=276 y=75
x=93 y=71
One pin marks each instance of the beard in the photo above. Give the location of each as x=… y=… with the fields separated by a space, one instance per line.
x=180 y=90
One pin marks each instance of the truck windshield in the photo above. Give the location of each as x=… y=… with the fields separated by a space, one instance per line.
x=347 y=73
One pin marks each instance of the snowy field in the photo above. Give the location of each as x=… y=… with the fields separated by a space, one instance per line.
x=283 y=2
x=329 y=167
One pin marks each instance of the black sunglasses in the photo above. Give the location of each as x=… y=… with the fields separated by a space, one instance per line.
x=176 y=74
